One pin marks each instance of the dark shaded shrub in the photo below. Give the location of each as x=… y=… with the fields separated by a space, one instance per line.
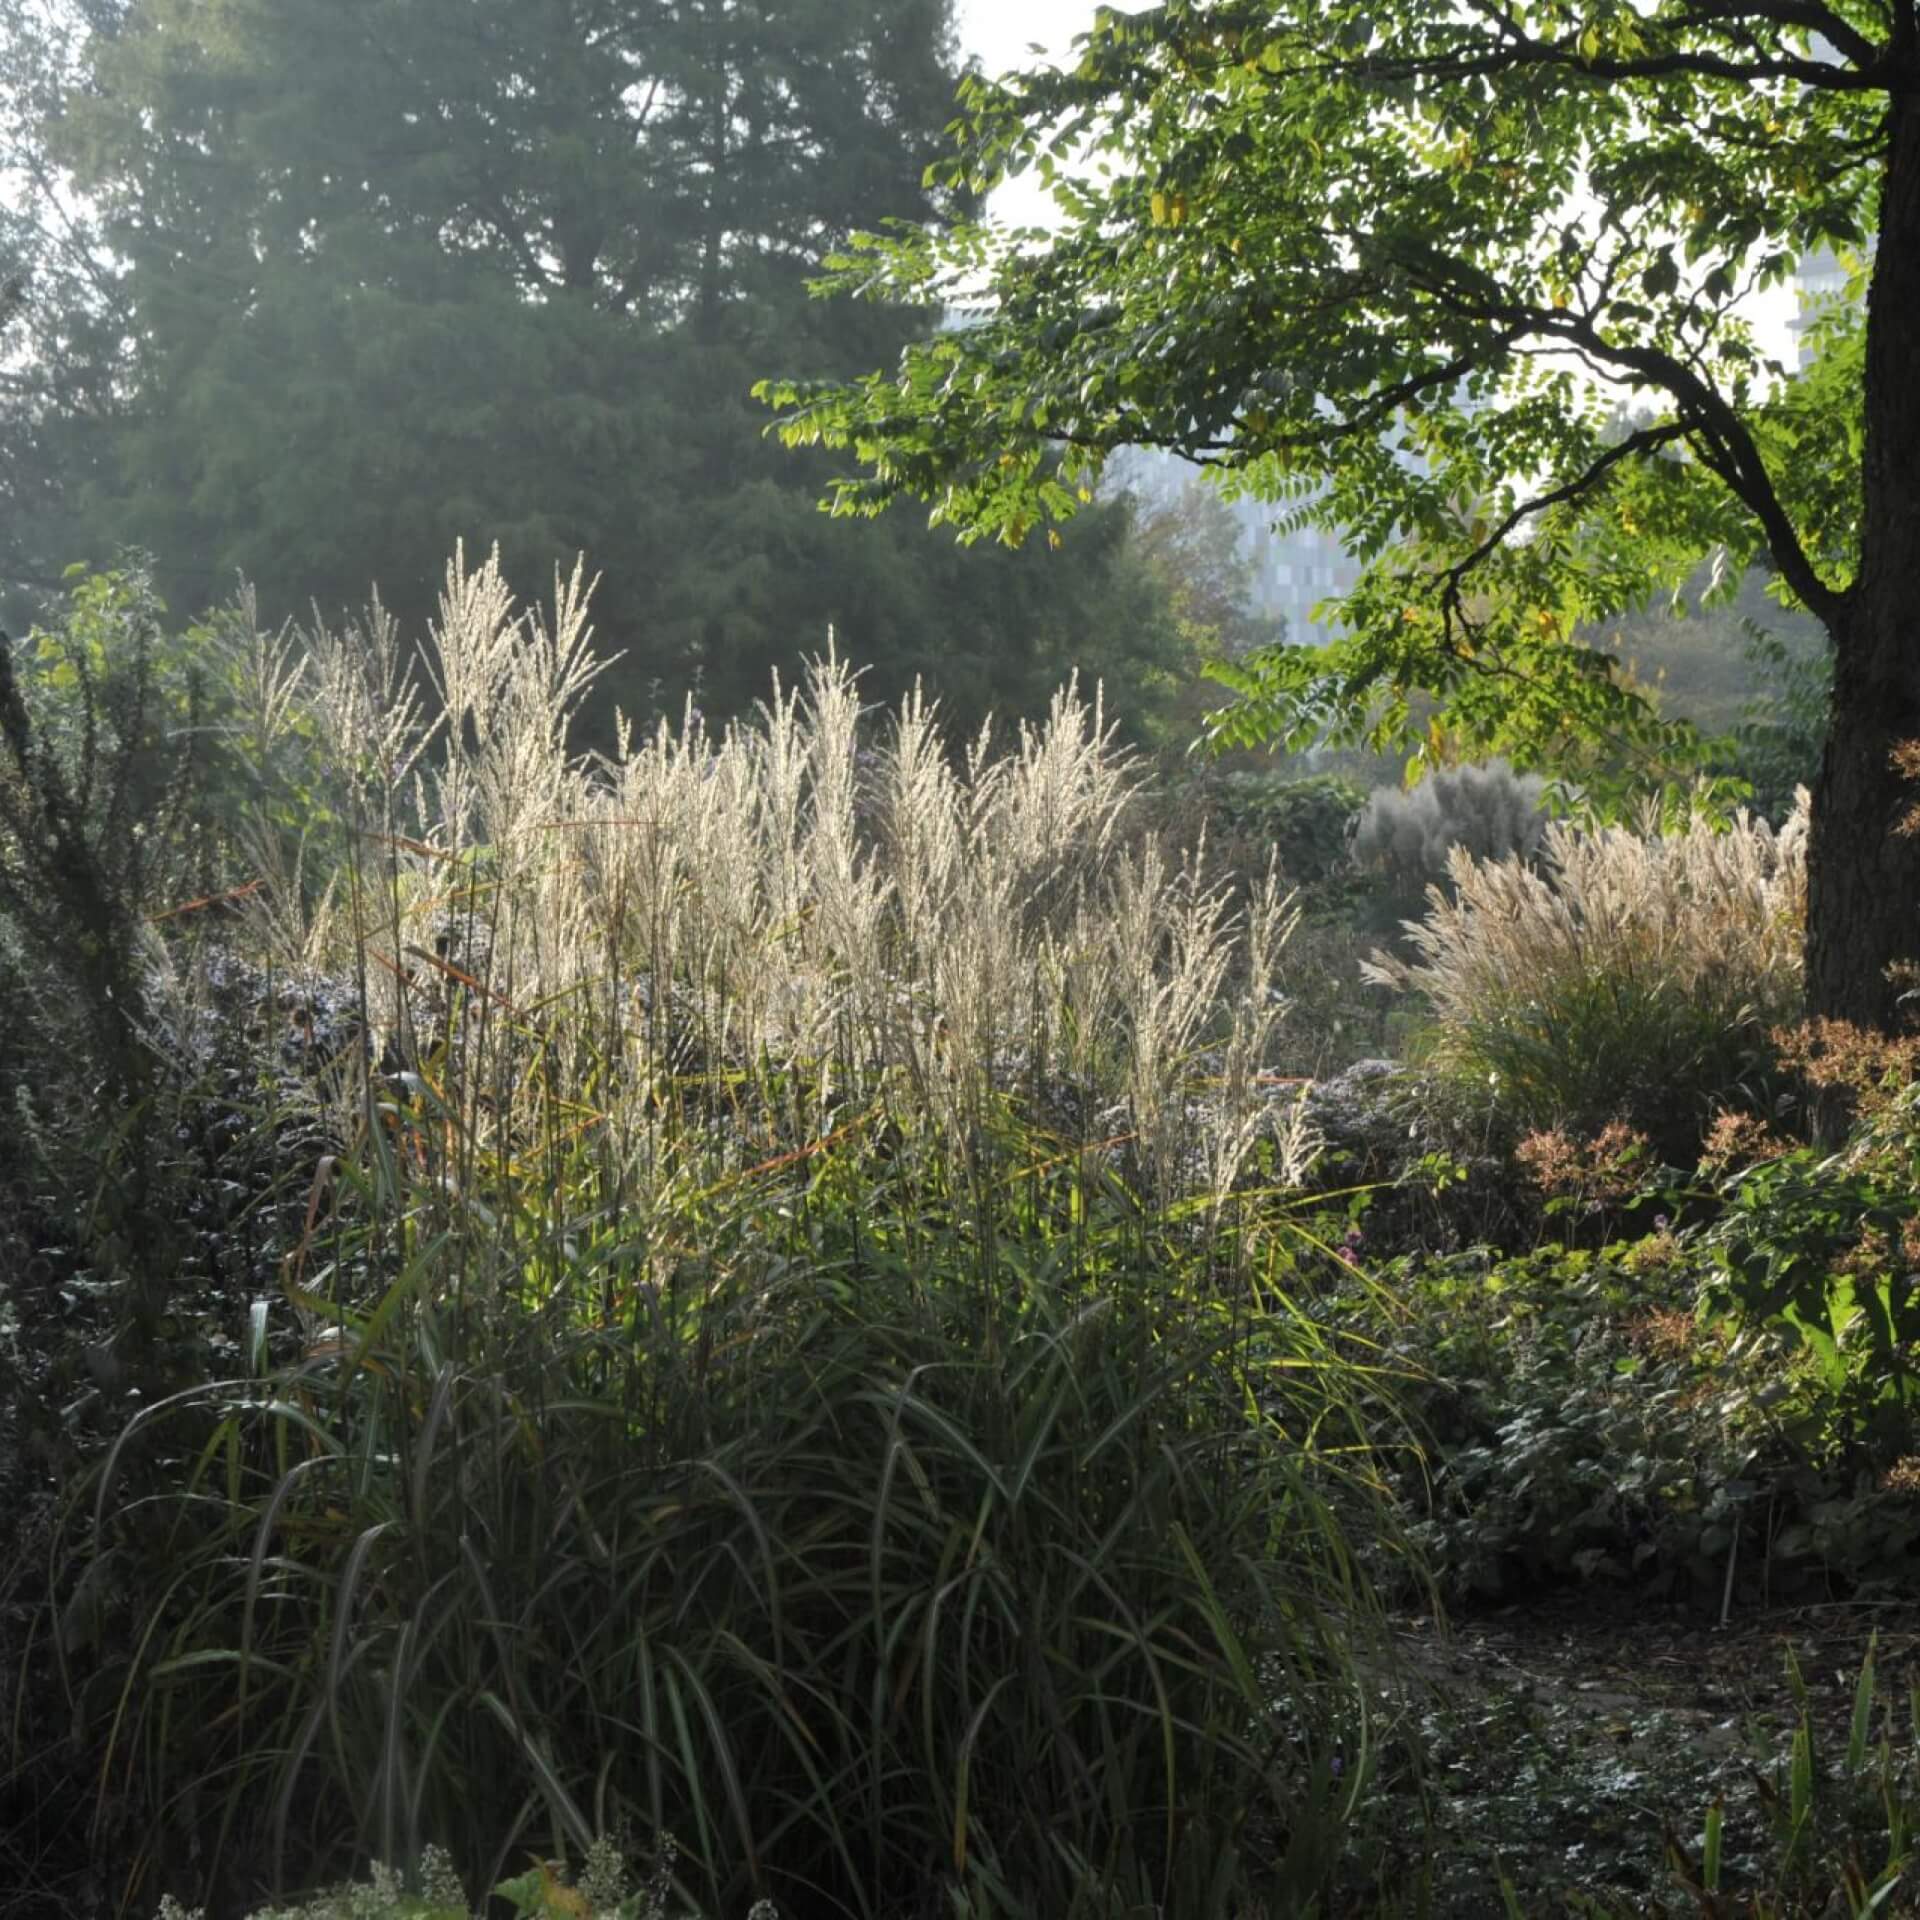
x=1306 y=821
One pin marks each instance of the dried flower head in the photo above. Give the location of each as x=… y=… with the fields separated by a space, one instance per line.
x=1870 y=1256
x=1736 y=1139
x=1871 y=1068
x=1602 y=1171
x=1906 y=762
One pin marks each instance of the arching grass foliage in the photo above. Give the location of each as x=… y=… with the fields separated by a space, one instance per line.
x=791 y=1349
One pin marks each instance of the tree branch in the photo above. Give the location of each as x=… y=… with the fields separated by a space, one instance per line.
x=1815 y=74
x=1214 y=451
x=1744 y=470
x=1844 y=38
x=1703 y=409
x=1877 y=68
x=1644 y=441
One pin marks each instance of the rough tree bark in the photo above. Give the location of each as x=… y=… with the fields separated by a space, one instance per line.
x=1863 y=892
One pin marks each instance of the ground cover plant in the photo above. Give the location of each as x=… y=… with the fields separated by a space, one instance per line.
x=1667 y=1476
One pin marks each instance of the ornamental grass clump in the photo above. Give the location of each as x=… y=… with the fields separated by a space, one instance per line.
x=1409 y=837
x=1625 y=973
x=788 y=1349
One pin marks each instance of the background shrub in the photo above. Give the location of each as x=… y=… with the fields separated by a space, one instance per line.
x=1300 y=824
x=1304 y=820
x=142 y=775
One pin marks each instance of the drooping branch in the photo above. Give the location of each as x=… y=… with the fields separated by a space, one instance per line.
x=1866 y=66
x=1808 y=16
x=1741 y=465
x=1817 y=75
x=1846 y=39
x=1229 y=450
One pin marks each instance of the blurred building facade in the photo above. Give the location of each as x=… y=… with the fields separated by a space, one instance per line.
x=1818 y=281
x=1293 y=570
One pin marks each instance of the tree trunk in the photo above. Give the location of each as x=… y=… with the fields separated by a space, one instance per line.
x=1863 y=874
x=718 y=104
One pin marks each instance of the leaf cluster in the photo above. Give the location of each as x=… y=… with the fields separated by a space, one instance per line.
x=1466 y=286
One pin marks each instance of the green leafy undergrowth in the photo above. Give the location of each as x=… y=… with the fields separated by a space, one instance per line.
x=1305 y=820
x=1588 y=1416
x=1821 y=1246
x=868 y=1559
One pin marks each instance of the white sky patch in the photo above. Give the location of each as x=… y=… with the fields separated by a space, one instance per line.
x=1003 y=32
x=1002 y=35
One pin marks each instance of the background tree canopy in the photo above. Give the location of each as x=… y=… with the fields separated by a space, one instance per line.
x=312 y=290
x=1402 y=268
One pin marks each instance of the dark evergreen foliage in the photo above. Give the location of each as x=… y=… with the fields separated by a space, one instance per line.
x=353 y=285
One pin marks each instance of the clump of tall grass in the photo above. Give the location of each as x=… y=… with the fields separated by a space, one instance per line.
x=790 y=1348
x=1625 y=973
x=1409 y=836
x=927 y=929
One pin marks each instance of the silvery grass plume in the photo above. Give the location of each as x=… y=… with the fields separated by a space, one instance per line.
x=1689 y=911
x=677 y=930
x=1242 y=1107
x=810 y=1155
x=1626 y=973
x=1168 y=945
x=269 y=672
x=367 y=704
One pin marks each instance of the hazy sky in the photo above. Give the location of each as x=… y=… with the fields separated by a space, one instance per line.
x=1003 y=34
x=999 y=30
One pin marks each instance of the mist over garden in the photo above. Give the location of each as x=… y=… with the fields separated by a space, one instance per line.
x=770 y=1146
